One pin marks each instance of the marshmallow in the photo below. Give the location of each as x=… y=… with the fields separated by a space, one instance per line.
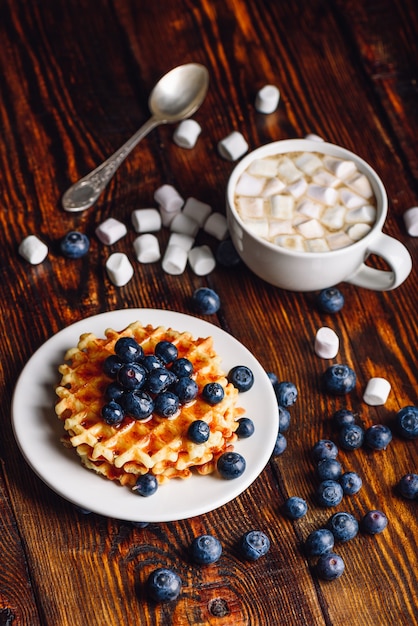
x=361 y=185
x=233 y=146
x=267 y=99
x=358 y=231
x=280 y=227
x=168 y=216
x=263 y=167
x=249 y=185
x=313 y=137
x=317 y=245
x=376 y=392
x=168 y=198
x=273 y=186
x=323 y=194
x=326 y=343
x=180 y=239
x=333 y=217
x=216 y=225
x=310 y=209
x=201 y=260
x=110 y=231
x=310 y=229
x=338 y=240
x=147 y=248
x=198 y=210
x=250 y=207
x=184 y=224
x=282 y=206
x=288 y=171
x=325 y=178
x=298 y=188
x=259 y=228
x=340 y=168
x=350 y=199
x=187 y=134
x=33 y=249
x=365 y=214
x=411 y=221
x=174 y=260
x=292 y=242
x=308 y=163
x=119 y=269
x=146 y=220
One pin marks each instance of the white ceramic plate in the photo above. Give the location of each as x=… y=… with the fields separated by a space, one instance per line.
x=38 y=430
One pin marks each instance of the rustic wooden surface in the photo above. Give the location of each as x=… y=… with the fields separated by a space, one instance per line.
x=74 y=83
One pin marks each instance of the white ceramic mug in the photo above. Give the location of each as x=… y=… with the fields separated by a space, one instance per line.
x=309 y=271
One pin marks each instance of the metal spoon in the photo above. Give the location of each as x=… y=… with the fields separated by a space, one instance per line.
x=175 y=97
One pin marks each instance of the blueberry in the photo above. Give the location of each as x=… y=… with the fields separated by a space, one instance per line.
x=330 y=300
x=166 y=351
x=111 y=365
x=343 y=417
x=284 y=419
x=241 y=377
x=351 y=483
x=378 y=437
x=131 y=376
x=205 y=549
x=324 y=449
x=286 y=393
x=374 y=522
x=295 y=507
x=226 y=254
x=245 y=428
x=182 y=367
x=320 y=541
x=280 y=445
x=137 y=404
x=408 y=486
x=231 y=465
x=159 y=380
x=407 y=422
x=254 y=544
x=128 y=350
x=146 y=485
x=272 y=378
x=339 y=379
x=329 y=469
x=213 y=393
x=166 y=404
x=351 y=437
x=186 y=389
x=343 y=526
x=206 y=301
x=114 y=391
x=74 y=245
x=112 y=413
x=164 y=585
x=330 y=566
x=329 y=493
x=198 y=431
x=151 y=362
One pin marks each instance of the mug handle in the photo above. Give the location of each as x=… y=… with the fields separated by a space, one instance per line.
x=396 y=256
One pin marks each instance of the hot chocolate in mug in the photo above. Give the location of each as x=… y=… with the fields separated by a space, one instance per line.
x=297 y=270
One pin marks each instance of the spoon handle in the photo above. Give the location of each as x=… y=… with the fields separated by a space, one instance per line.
x=84 y=193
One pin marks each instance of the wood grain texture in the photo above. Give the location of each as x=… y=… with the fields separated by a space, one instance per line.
x=74 y=82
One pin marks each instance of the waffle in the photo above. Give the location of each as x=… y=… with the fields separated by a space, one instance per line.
x=160 y=445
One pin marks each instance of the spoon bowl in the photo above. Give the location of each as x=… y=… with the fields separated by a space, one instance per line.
x=176 y=96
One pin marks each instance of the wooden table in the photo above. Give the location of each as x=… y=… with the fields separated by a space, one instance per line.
x=75 y=79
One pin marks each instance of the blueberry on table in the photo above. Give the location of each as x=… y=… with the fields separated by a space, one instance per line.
x=166 y=351
x=408 y=486
x=254 y=544
x=146 y=485
x=339 y=379
x=343 y=526
x=186 y=389
x=378 y=437
x=330 y=566
x=351 y=437
x=164 y=585
x=226 y=254
x=198 y=431
x=205 y=549
x=74 y=245
x=280 y=445
x=286 y=393
x=131 y=376
x=166 y=404
x=213 y=393
x=343 y=417
x=351 y=483
x=241 y=377
x=284 y=419
x=324 y=449
x=329 y=493
x=137 y=404
x=374 y=522
x=231 y=465
x=272 y=378
x=112 y=413
x=329 y=469
x=295 y=507
x=318 y=542
x=407 y=422
x=206 y=301
x=330 y=300
x=128 y=350
x=245 y=428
